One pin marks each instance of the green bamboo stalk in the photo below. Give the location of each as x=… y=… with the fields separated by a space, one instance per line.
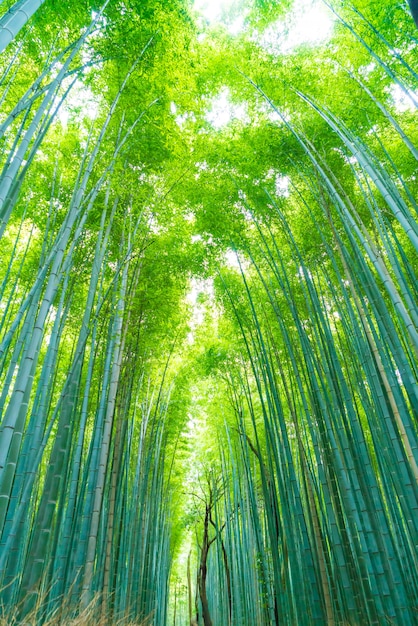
x=15 y=19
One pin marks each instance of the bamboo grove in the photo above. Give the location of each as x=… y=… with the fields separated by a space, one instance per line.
x=208 y=331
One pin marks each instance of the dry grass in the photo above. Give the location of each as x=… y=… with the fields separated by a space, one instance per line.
x=91 y=616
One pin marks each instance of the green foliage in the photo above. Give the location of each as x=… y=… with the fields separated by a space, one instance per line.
x=208 y=330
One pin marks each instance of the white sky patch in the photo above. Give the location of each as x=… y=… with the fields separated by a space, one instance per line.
x=311 y=22
x=236 y=262
x=282 y=186
x=366 y=70
x=281 y=182
x=153 y=225
x=100 y=21
x=231 y=259
x=247 y=214
x=80 y=97
x=403 y=101
x=182 y=119
x=304 y=273
x=222 y=110
x=212 y=9
x=198 y=287
x=273 y=115
x=237 y=25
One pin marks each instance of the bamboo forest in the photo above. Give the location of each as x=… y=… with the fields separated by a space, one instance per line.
x=208 y=312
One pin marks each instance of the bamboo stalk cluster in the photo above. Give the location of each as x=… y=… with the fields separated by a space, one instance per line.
x=320 y=498
x=313 y=515
x=82 y=431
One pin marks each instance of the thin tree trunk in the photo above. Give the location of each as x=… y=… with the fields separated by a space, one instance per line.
x=203 y=569
x=189 y=588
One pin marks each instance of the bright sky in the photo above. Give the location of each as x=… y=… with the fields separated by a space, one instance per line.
x=212 y=9
x=311 y=22
x=199 y=286
x=403 y=101
x=223 y=110
x=79 y=96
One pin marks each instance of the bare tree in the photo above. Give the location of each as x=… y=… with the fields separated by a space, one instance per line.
x=212 y=492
